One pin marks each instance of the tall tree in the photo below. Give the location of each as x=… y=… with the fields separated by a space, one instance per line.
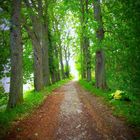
x=37 y=51
x=85 y=46
x=60 y=48
x=40 y=41
x=34 y=34
x=82 y=40
x=45 y=40
x=16 y=81
x=100 y=56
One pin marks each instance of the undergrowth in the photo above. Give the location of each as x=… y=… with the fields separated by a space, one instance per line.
x=32 y=100
x=127 y=107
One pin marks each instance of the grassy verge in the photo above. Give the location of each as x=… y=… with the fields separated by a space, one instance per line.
x=129 y=110
x=32 y=100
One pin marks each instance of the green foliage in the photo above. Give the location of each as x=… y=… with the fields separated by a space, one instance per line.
x=3 y=96
x=4 y=46
x=5 y=6
x=122 y=44
x=28 y=62
x=126 y=106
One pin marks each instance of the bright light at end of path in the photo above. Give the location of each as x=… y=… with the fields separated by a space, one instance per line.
x=73 y=70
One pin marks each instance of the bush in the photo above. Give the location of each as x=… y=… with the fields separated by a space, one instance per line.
x=3 y=96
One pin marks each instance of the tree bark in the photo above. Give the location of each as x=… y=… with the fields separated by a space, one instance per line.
x=86 y=62
x=45 y=38
x=37 y=51
x=45 y=57
x=100 y=69
x=61 y=62
x=38 y=75
x=83 y=55
x=58 y=77
x=100 y=56
x=16 y=81
x=67 y=58
x=40 y=29
x=87 y=47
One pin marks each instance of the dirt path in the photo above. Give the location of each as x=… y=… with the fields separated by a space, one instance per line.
x=71 y=113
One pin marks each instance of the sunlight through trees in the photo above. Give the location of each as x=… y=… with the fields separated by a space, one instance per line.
x=45 y=41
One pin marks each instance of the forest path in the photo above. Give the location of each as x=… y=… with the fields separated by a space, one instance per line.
x=70 y=113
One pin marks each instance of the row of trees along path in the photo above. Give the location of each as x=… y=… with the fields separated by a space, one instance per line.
x=103 y=39
x=41 y=41
x=45 y=35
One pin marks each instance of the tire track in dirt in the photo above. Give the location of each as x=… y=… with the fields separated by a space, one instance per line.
x=109 y=126
x=74 y=122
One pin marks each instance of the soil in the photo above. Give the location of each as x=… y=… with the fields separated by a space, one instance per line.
x=71 y=113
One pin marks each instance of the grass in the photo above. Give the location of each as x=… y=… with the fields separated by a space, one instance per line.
x=32 y=100
x=128 y=110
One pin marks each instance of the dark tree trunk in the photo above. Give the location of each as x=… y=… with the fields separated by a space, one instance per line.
x=37 y=50
x=45 y=58
x=61 y=62
x=16 y=81
x=53 y=78
x=35 y=34
x=84 y=59
x=58 y=78
x=83 y=72
x=38 y=75
x=52 y=63
x=44 y=41
x=100 y=70
x=67 y=58
x=87 y=50
x=83 y=55
x=88 y=61
x=39 y=36
x=67 y=69
x=100 y=58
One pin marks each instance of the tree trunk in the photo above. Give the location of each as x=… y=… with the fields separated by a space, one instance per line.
x=67 y=69
x=87 y=49
x=46 y=39
x=16 y=81
x=58 y=78
x=100 y=69
x=67 y=58
x=61 y=62
x=83 y=73
x=83 y=57
x=53 y=78
x=45 y=58
x=40 y=36
x=37 y=50
x=100 y=58
x=88 y=62
x=38 y=75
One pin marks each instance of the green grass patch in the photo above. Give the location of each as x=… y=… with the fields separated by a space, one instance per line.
x=32 y=100
x=127 y=109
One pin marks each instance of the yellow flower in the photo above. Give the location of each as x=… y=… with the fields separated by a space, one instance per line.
x=117 y=94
